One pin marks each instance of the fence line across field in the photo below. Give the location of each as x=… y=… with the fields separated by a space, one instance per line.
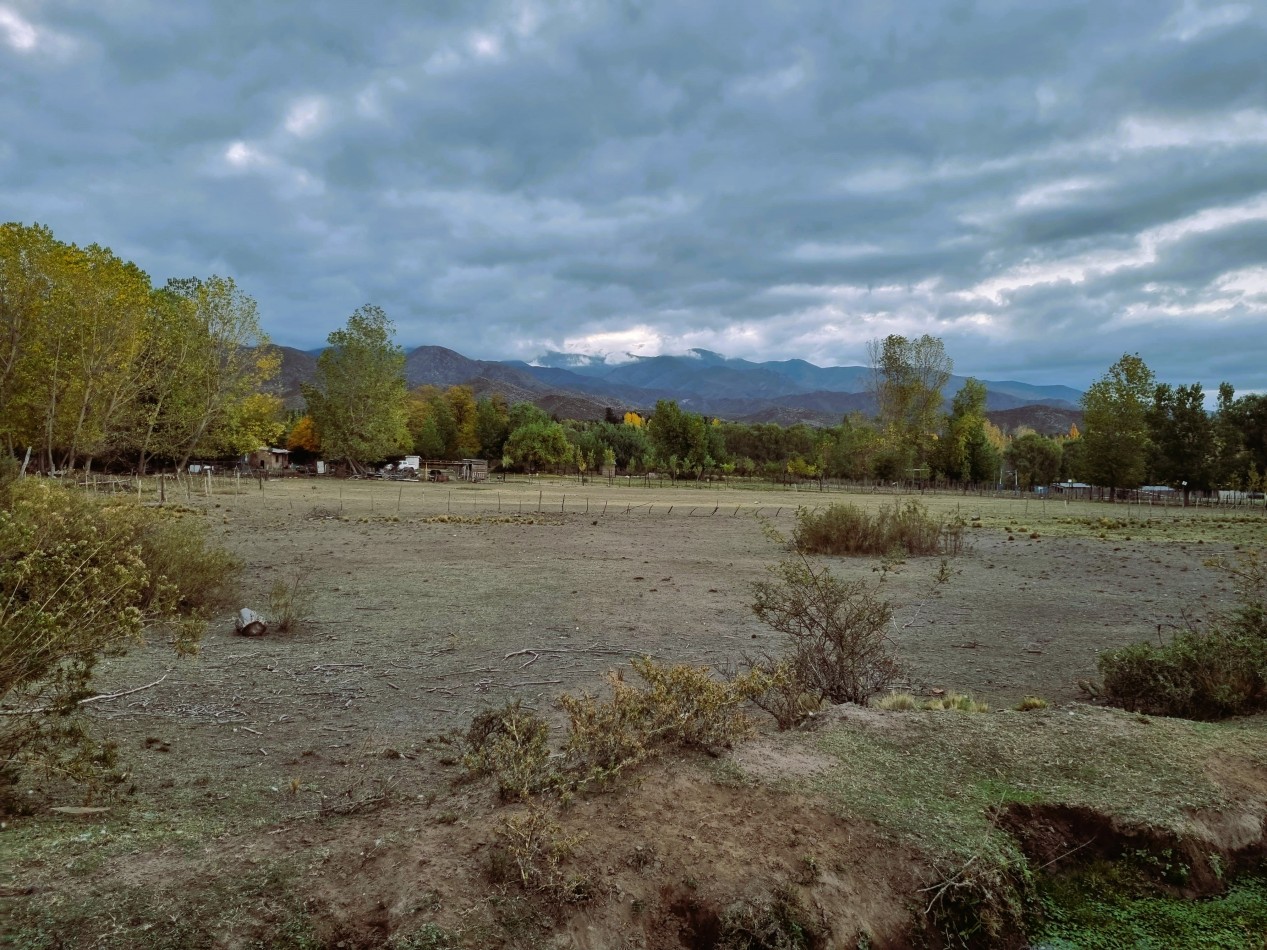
x=356 y=497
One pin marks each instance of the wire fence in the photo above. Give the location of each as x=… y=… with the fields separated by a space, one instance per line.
x=642 y=495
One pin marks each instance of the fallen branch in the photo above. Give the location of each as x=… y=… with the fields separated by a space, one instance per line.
x=83 y=702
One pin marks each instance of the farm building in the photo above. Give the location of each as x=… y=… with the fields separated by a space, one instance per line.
x=268 y=459
x=443 y=470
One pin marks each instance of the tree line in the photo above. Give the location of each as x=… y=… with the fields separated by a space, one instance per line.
x=98 y=364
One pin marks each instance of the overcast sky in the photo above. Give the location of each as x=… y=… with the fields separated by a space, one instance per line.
x=1044 y=184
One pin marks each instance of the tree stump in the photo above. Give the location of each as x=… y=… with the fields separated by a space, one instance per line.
x=251 y=624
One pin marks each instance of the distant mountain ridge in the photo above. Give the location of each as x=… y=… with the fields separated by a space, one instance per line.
x=702 y=381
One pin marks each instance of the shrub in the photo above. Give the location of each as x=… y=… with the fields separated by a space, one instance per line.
x=780 y=923
x=682 y=706
x=1206 y=673
x=958 y=702
x=903 y=528
x=901 y=701
x=284 y=602
x=785 y=697
x=839 y=630
x=512 y=745
x=1030 y=703
x=80 y=580
x=532 y=847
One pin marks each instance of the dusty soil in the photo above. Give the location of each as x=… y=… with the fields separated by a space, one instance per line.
x=419 y=602
x=422 y=604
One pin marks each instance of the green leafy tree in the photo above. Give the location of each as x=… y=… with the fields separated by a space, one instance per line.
x=1182 y=435
x=1035 y=458
x=72 y=327
x=908 y=377
x=224 y=360
x=461 y=400
x=433 y=429
x=492 y=426
x=966 y=454
x=1242 y=427
x=1116 y=410
x=538 y=445
x=81 y=580
x=683 y=441
x=357 y=402
x=852 y=451
x=1230 y=458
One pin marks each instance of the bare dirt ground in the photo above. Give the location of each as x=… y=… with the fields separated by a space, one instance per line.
x=422 y=604
x=419 y=602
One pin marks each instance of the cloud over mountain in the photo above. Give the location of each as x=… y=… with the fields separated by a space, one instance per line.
x=1044 y=185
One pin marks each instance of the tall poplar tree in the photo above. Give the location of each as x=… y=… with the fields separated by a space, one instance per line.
x=907 y=381
x=357 y=402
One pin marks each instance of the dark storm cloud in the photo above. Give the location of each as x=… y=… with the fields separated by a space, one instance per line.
x=1044 y=185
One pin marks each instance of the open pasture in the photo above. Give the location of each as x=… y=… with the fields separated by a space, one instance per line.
x=423 y=603
x=258 y=768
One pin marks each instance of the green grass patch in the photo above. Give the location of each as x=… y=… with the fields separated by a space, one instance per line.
x=1107 y=906
x=934 y=779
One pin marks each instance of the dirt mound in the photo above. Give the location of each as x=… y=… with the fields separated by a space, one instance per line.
x=1190 y=863
x=676 y=860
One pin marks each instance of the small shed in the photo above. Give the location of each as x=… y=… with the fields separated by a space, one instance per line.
x=268 y=459
x=443 y=470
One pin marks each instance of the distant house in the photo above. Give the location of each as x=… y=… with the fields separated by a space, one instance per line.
x=268 y=459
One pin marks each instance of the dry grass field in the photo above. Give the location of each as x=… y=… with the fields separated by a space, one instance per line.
x=294 y=782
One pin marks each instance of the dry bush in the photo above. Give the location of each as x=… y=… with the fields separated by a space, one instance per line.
x=959 y=702
x=285 y=602
x=532 y=848
x=681 y=705
x=785 y=697
x=898 y=701
x=79 y=580
x=842 y=651
x=512 y=745
x=1208 y=673
x=1030 y=703
x=903 y=528
x=780 y=923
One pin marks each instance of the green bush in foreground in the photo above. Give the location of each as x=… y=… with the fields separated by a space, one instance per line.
x=902 y=528
x=1201 y=674
x=842 y=648
x=81 y=579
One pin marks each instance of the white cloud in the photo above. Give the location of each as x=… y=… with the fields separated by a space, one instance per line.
x=814 y=252
x=1056 y=193
x=19 y=33
x=485 y=45
x=1248 y=281
x=244 y=158
x=1194 y=19
x=1080 y=268
x=1241 y=128
x=775 y=83
x=305 y=116
x=240 y=155
x=617 y=345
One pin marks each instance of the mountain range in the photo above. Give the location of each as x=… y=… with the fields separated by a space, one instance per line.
x=574 y=386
